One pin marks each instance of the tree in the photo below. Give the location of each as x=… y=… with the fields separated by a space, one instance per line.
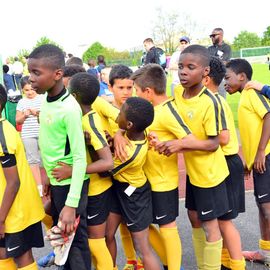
x=266 y=37
x=246 y=39
x=45 y=40
x=168 y=27
x=93 y=51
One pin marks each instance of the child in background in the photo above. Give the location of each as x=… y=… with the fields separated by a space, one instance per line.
x=21 y=209
x=104 y=91
x=254 y=122
x=28 y=109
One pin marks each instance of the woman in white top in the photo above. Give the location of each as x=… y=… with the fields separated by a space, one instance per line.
x=27 y=115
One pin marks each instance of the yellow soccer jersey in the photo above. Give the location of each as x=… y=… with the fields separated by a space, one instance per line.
x=252 y=108
x=27 y=207
x=200 y=113
x=162 y=171
x=227 y=123
x=92 y=124
x=131 y=171
x=108 y=114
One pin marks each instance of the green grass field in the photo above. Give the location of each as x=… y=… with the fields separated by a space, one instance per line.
x=261 y=73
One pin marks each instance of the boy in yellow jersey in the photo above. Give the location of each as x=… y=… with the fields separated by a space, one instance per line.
x=21 y=209
x=254 y=121
x=162 y=171
x=206 y=195
x=232 y=257
x=132 y=189
x=85 y=88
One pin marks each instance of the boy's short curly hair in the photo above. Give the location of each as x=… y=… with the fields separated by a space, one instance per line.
x=119 y=72
x=86 y=86
x=217 y=70
x=71 y=70
x=140 y=112
x=240 y=66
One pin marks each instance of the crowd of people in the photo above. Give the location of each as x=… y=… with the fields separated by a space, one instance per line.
x=109 y=139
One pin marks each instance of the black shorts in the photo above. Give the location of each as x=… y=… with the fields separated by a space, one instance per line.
x=16 y=244
x=209 y=203
x=235 y=187
x=98 y=207
x=79 y=252
x=165 y=206
x=262 y=183
x=136 y=209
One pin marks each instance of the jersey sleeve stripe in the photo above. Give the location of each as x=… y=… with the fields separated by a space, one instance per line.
x=3 y=139
x=263 y=100
x=93 y=126
x=215 y=106
x=120 y=167
x=222 y=114
x=178 y=118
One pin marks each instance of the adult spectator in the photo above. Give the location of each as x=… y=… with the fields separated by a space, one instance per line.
x=17 y=69
x=101 y=64
x=8 y=79
x=173 y=66
x=221 y=50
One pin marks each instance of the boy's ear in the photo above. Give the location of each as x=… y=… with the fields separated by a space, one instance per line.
x=129 y=125
x=206 y=81
x=206 y=71
x=242 y=76
x=74 y=95
x=59 y=74
x=110 y=88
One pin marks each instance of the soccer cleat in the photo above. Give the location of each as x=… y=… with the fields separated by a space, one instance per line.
x=259 y=256
x=46 y=261
x=130 y=265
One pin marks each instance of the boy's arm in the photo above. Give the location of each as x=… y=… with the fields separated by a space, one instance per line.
x=75 y=135
x=259 y=162
x=12 y=186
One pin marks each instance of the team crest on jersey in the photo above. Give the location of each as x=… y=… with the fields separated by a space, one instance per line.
x=48 y=119
x=190 y=114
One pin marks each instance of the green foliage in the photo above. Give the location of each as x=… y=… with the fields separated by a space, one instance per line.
x=246 y=39
x=266 y=37
x=111 y=55
x=45 y=40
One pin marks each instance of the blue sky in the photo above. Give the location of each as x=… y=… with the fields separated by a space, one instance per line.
x=121 y=24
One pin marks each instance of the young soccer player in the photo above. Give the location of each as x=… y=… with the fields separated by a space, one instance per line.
x=254 y=121
x=232 y=252
x=162 y=171
x=206 y=197
x=21 y=209
x=131 y=186
x=61 y=139
x=85 y=88
x=264 y=89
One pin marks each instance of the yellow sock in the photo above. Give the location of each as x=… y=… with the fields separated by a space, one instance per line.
x=127 y=243
x=101 y=254
x=139 y=263
x=225 y=258
x=212 y=255
x=198 y=239
x=264 y=244
x=237 y=264
x=8 y=264
x=47 y=221
x=32 y=266
x=172 y=243
x=157 y=243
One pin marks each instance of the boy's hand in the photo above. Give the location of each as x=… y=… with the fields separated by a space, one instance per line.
x=67 y=219
x=47 y=189
x=170 y=147
x=120 y=144
x=27 y=113
x=34 y=112
x=259 y=162
x=2 y=229
x=152 y=139
x=62 y=172
x=254 y=85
